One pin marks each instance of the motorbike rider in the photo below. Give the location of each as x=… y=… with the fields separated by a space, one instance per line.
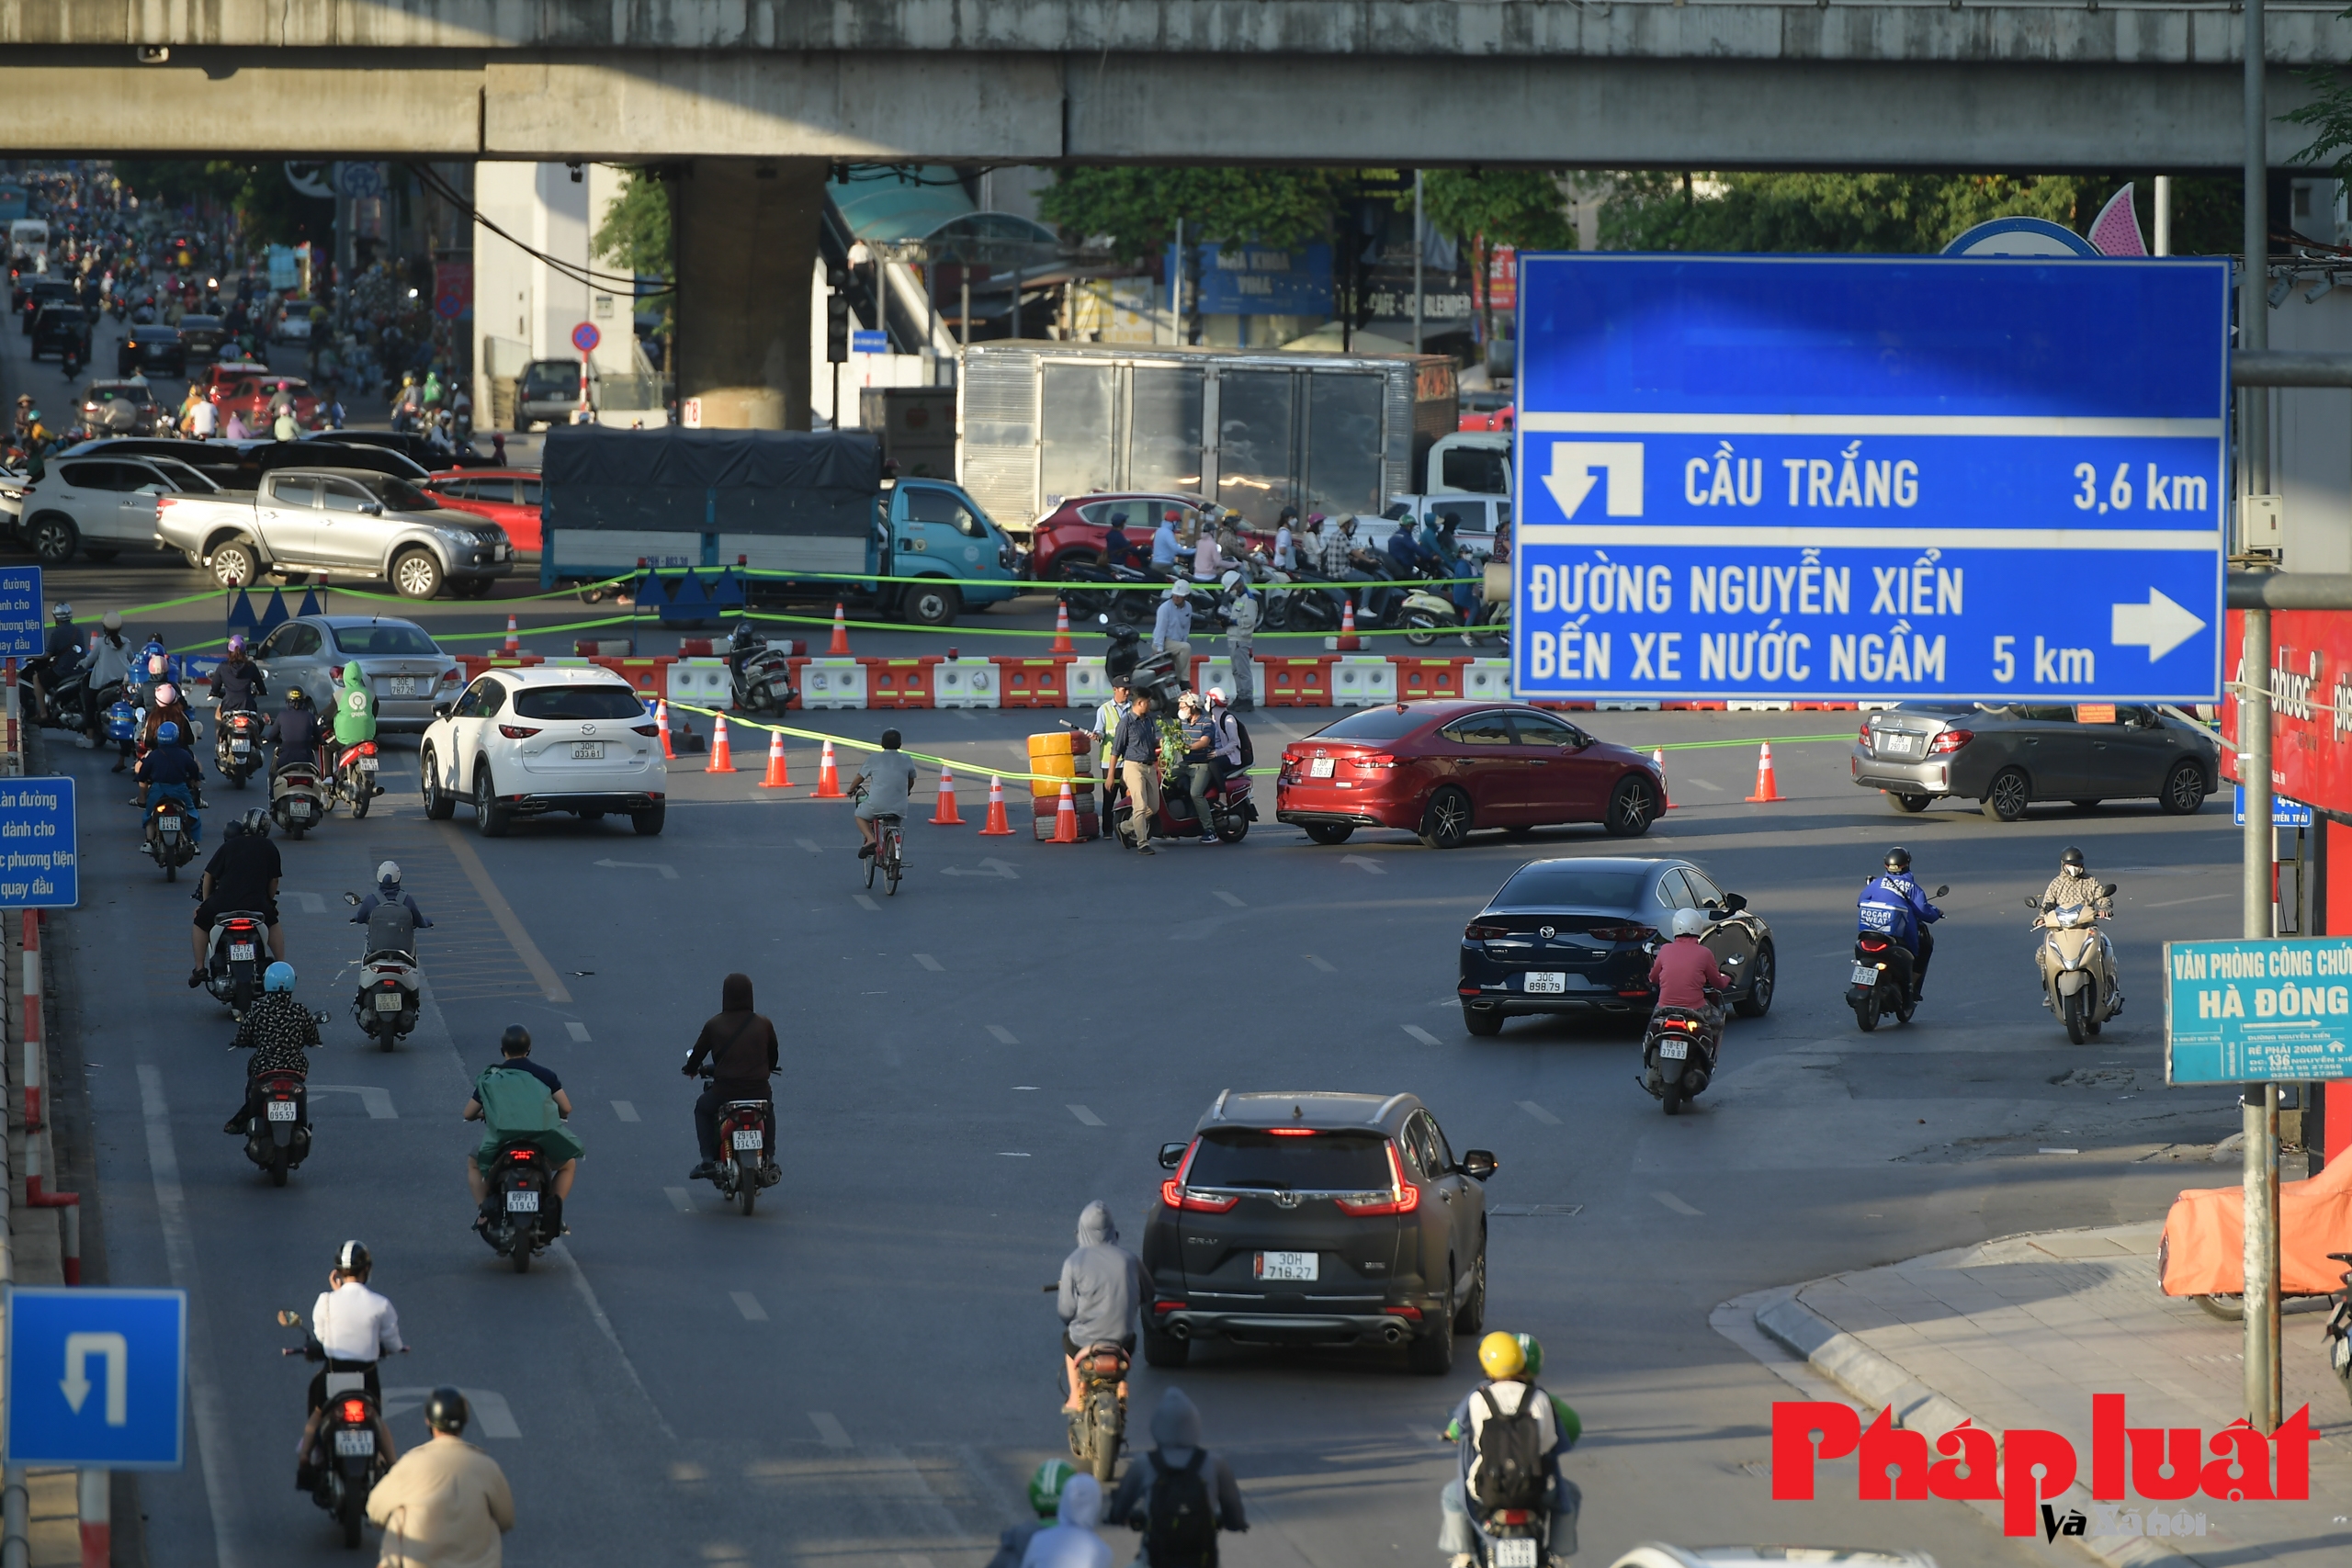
x=237 y=682
x=279 y=1032
x=295 y=732
x=170 y=771
x=1887 y=909
x=61 y=651
x=2072 y=885
x=1104 y=1287
x=391 y=917
x=1046 y=1484
x=1897 y=878
x=1512 y=1362
x=1163 y=544
x=1200 y=761
x=356 y=1328
x=1686 y=974
x=1118 y=549
x=354 y=711
x=890 y=790
x=1179 y=1494
x=445 y=1502
x=1072 y=1542
x=110 y=669
x=512 y=1098
x=165 y=705
x=243 y=873
x=741 y=1046
x=1171 y=630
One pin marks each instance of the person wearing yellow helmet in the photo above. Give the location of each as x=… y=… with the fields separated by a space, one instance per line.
x=1510 y=1435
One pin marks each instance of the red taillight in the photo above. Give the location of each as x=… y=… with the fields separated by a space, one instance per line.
x=449 y=677
x=1403 y=1196
x=355 y=1412
x=1949 y=741
x=1677 y=1023
x=516 y=731
x=645 y=730
x=1512 y=1516
x=366 y=748
x=1172 y=1192
x=1290 y=1132
x=521 y=1157
x=1624 y=933
x=1411 y=1315
x=244 y=928
x=1865 y=736
x=1477 y=930
x=1873 y=945
x=1168 y=1307
x=1376 y=760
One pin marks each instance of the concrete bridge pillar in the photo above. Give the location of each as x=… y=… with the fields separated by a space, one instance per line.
x=745 y=232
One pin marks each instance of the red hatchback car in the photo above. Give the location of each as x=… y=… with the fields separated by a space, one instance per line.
x=1443 y=770
x=246 y=390
x=508 y=497
x=1074 y=530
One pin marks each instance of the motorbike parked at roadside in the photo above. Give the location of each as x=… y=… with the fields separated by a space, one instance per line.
x=2339 y=1328
x=344 y=1462
x=2077 y=965
x=760 y=674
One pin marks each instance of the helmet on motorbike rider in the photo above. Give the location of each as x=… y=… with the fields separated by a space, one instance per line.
x=352 y=1258
x=1689 y=922
x=1532 y=1349
x=1046 y=1484
x=64 y=611
x=111 y=620
x=279 y=976
x=388 y=874
x=167 y=695
x=1500 y=1355
x=296 y=697
x=168 y=732
x=256 y=822
x=445 y=1411
x=2071 y=863
x=236 y=643
x=1216 y=697
x=1898 y=859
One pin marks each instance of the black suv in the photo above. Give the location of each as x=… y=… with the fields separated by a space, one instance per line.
x=59 y=328
x=1317 y=1219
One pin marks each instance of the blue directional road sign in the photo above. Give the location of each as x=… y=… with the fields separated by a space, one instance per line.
x=1886 y=478
x=96 y=1377
x=2284 y=813
x=870 y=340
x=2258 y=1010
x=40 y=860
x=20 y=616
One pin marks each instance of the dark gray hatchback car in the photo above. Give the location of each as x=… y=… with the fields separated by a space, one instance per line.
x=1317 y=1219
x=2009 y=757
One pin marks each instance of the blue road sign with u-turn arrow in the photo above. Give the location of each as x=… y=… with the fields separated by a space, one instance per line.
x=96 y=1377
x=1881 y=478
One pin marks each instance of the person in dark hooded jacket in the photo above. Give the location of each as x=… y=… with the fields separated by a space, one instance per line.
x=1104 y=1287
x=1177 y=1446
x=740 y=1047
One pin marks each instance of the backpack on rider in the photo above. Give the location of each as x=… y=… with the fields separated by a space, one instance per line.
x=1181 y=1528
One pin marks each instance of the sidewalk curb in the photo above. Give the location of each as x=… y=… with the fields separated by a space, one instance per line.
x=1878 y=1381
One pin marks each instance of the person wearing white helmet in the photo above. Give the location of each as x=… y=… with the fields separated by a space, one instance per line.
x=1686 y=974
x=354 y=1329
x=390 y=916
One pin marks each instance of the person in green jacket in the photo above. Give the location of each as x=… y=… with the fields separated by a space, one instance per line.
x=354 y=708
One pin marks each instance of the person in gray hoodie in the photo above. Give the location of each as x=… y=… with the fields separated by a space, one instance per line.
x=1189 y=1469
x=1073 y=1542
x=1104 y=1287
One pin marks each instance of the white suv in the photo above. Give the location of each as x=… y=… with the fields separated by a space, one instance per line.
x=525 y=742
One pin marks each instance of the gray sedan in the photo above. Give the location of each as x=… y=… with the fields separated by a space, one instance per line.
x=2007 y=758
x=402 y=662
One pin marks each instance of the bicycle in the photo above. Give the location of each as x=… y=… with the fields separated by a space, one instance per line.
x=888 y=858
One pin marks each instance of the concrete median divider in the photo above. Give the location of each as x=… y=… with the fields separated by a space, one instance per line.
x=1422 y=679
x=966 y=684
x=1090 y=686
x=1486 y=680
x=1034 y=682
x=829 y=683
x=1294 y=682
x=899 y=682
x=1362 y=681
x=706 y=683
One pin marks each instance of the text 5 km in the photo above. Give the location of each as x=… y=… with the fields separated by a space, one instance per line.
x=2166 y=492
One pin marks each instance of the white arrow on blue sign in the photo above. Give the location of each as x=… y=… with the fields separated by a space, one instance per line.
x=1828 y=477
x=96 y=1377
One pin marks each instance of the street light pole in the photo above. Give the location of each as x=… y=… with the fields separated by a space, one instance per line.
x=1420 y=245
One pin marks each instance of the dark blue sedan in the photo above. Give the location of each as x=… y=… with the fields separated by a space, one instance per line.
x=1577 y=935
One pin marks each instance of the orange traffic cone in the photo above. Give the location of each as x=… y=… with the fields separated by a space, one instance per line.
x=779 y=776
x=1065 y=817
x=944 y=814
x=1061 y=628
x=1668 y=803
x=722 y=756
x=829 y=781
x=1766 y=788
x=662 y=723
x=1347 y=642
x=996 y=826
x=839 y=649
x=514 y=637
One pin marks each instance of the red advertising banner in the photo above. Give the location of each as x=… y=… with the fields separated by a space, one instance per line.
x=2310 y=726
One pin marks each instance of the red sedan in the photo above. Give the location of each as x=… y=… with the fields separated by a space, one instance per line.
x=246 y=388
x=1074 y=531
x=1443 y=770
x=508 y=497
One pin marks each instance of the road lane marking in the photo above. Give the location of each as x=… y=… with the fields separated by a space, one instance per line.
x=376 y=1102
x=561 y=1252
x=749 y=1306
x=223 y=1491
x=1003 y=1036
x=1229 y=898
x=669 y=873
x=680 y=1198
x=928 y=962
x=830 y=1432
x=1671 y=1202
x=311 y=902
x=811 y=845
x=2067 y=1151
x=626 y=1110
x=865 y=903
x=1539 y=1113
x=577 y=1030
x=2201 y=899
x=542 y=973
x=1083 y=1114
x=1366 y=862
x=1423 y=1035
x=1318 y=963
x=1012 y=1154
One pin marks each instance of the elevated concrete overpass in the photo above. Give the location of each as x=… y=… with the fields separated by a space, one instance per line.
x=2015 y=85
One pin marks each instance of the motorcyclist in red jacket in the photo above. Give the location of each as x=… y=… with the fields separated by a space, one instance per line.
x=1684 y=971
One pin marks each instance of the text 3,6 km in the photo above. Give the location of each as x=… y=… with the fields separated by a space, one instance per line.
x=2163 y=491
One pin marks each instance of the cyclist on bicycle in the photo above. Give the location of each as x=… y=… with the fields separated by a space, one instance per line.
x=890 y=784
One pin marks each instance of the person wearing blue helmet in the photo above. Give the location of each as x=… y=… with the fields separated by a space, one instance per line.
x=170 y=771
x=280 y=1032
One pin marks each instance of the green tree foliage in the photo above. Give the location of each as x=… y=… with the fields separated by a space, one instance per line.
x=268 y=210
x=634 y=236
x=1524 y=208
x=1138 y=206
x=1883 y=213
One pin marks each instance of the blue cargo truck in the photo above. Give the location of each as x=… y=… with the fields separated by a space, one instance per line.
x=772 y=501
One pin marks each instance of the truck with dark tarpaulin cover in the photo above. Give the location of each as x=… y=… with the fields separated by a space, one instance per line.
x=769 y=501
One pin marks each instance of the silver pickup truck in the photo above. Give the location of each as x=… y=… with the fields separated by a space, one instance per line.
x=337 y=522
